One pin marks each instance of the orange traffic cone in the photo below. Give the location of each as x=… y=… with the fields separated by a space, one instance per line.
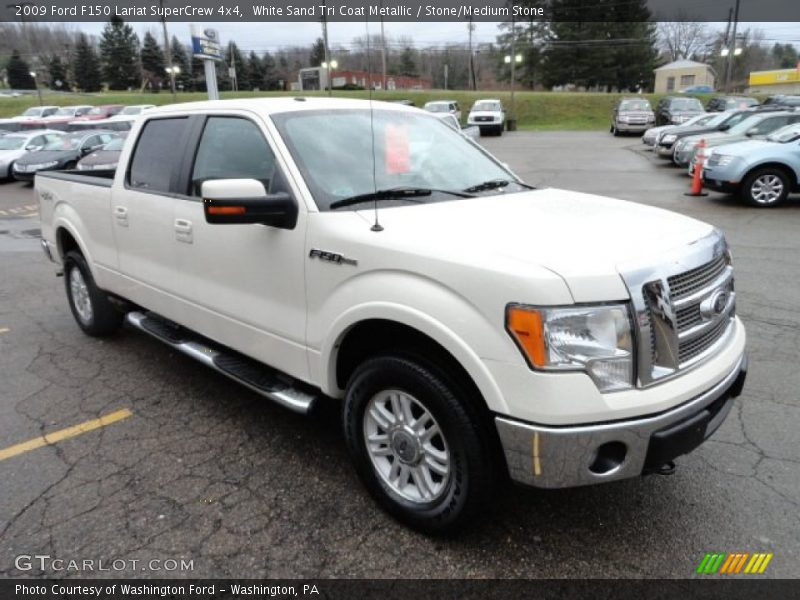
x=697 y=178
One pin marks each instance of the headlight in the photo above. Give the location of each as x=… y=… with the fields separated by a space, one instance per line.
x=593 y=339
x=669 y=138
x=723 y=160
x=623 y=119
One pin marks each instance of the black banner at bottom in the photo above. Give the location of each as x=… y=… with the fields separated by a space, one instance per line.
x=384 y=589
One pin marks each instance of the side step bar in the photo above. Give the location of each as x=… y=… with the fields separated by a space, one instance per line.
x=260 y=378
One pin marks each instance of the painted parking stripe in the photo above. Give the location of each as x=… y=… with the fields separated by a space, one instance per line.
x=63 y=434
x=4 y=330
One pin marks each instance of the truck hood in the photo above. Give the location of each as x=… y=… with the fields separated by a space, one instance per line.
x=581 y=237
x=484 y=113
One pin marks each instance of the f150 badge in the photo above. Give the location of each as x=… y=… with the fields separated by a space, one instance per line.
x=333 y=257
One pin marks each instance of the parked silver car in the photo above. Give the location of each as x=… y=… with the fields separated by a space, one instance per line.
x=651 y=136
x=14 y=146
x=763 y=172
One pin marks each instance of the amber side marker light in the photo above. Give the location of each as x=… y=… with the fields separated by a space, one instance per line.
x=525 y=325
x=226 y=210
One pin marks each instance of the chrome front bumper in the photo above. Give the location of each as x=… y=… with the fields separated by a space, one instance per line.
x=558 y=457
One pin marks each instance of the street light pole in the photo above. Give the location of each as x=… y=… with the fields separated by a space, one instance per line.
x=513 y=63
x=38 y=89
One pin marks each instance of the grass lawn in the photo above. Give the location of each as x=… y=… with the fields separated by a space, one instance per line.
x=535 y=110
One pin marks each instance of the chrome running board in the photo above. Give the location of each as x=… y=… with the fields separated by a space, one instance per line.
x=263 y=380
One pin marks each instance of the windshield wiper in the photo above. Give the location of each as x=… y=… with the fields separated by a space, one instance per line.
x=494 y=184
x=399 y=193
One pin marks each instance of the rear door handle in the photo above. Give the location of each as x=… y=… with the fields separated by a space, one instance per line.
x=121 y=215
x=183 y=231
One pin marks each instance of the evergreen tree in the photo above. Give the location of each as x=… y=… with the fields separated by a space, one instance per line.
x=317 y=56
x=269 y=72
x=180 y=58
x=152 y=60
x=255 y=68
x=408 y=66
x=119 y=50
x=19 y=73
x=600 y=43
x=57 y=73
x=785 y=56
x=86 y=66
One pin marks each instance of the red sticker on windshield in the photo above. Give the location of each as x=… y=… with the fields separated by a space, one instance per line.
x=398 y=153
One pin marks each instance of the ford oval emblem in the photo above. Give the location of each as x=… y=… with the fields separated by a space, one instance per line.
x=714 y=305
x=210 y=34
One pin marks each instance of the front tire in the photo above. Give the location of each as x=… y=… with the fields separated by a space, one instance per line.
x=417 y=444
x=90 y=306
x=765 y=188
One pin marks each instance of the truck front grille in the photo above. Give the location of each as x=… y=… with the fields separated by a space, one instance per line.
x=684 y=309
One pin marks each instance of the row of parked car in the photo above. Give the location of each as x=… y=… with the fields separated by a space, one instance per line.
x=117 y=117
x=753 y=152
x=25 y=153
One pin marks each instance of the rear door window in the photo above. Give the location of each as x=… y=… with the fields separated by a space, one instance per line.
x=158 y=155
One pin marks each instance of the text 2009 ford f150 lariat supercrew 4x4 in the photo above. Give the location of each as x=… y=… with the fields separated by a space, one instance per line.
x=474 y=327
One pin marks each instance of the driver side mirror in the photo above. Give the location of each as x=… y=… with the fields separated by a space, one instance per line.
x=242 y=201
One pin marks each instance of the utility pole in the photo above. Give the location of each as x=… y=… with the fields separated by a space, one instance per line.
x=732 y=48
x=167 y=51
x=473 y=83
x=325 y=43
x=383 y=53
x=232 y=69
x=513 y=64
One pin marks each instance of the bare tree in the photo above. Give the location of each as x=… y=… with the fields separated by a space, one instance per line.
x=683 y=39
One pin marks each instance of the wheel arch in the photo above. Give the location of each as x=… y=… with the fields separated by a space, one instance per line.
x=794 y=177
x=402 y=329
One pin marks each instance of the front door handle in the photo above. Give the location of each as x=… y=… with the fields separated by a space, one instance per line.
x=183 y=231
x=121 y=215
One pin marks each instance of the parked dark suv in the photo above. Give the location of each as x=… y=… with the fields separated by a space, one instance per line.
x=674 y=110
x=721 y=103
x=783 y=100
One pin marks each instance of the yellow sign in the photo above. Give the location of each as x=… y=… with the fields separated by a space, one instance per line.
x=772 y=77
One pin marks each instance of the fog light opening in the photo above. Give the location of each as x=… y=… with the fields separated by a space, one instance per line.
x=608 y=458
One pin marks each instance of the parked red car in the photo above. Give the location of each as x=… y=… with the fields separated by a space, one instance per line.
x=103 y=111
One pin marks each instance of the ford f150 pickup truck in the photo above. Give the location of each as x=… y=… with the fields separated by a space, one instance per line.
x=473 y=328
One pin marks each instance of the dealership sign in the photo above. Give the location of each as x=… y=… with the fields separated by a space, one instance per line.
x=206 y=44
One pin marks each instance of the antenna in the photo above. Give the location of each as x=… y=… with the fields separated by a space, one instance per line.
x=376 y=226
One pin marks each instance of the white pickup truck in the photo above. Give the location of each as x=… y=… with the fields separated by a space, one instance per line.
x=474 y=328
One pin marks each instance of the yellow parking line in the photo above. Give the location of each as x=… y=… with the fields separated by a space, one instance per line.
x=63 y=434
x=2 y=212
x=4 y=330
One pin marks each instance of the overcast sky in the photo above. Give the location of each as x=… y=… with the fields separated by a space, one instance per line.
x=264 y=36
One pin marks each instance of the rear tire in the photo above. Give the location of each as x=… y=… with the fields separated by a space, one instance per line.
x=90 y=306
x=765 y=188
x=418 y=445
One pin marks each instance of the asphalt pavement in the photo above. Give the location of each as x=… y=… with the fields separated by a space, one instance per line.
x=203 y=471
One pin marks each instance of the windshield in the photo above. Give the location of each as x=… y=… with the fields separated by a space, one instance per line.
x=715 y=119
x=634 y=105
x=784 y=135
x=66 y=142
x=334 y=151
x=438 y=107
x=484 y=105
x=32 y=112
x=745 y=124
x=11 y=143
x=97 y=111
x=740 y=102
x=115 y=144
x=64 y=112
x=686 y=104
